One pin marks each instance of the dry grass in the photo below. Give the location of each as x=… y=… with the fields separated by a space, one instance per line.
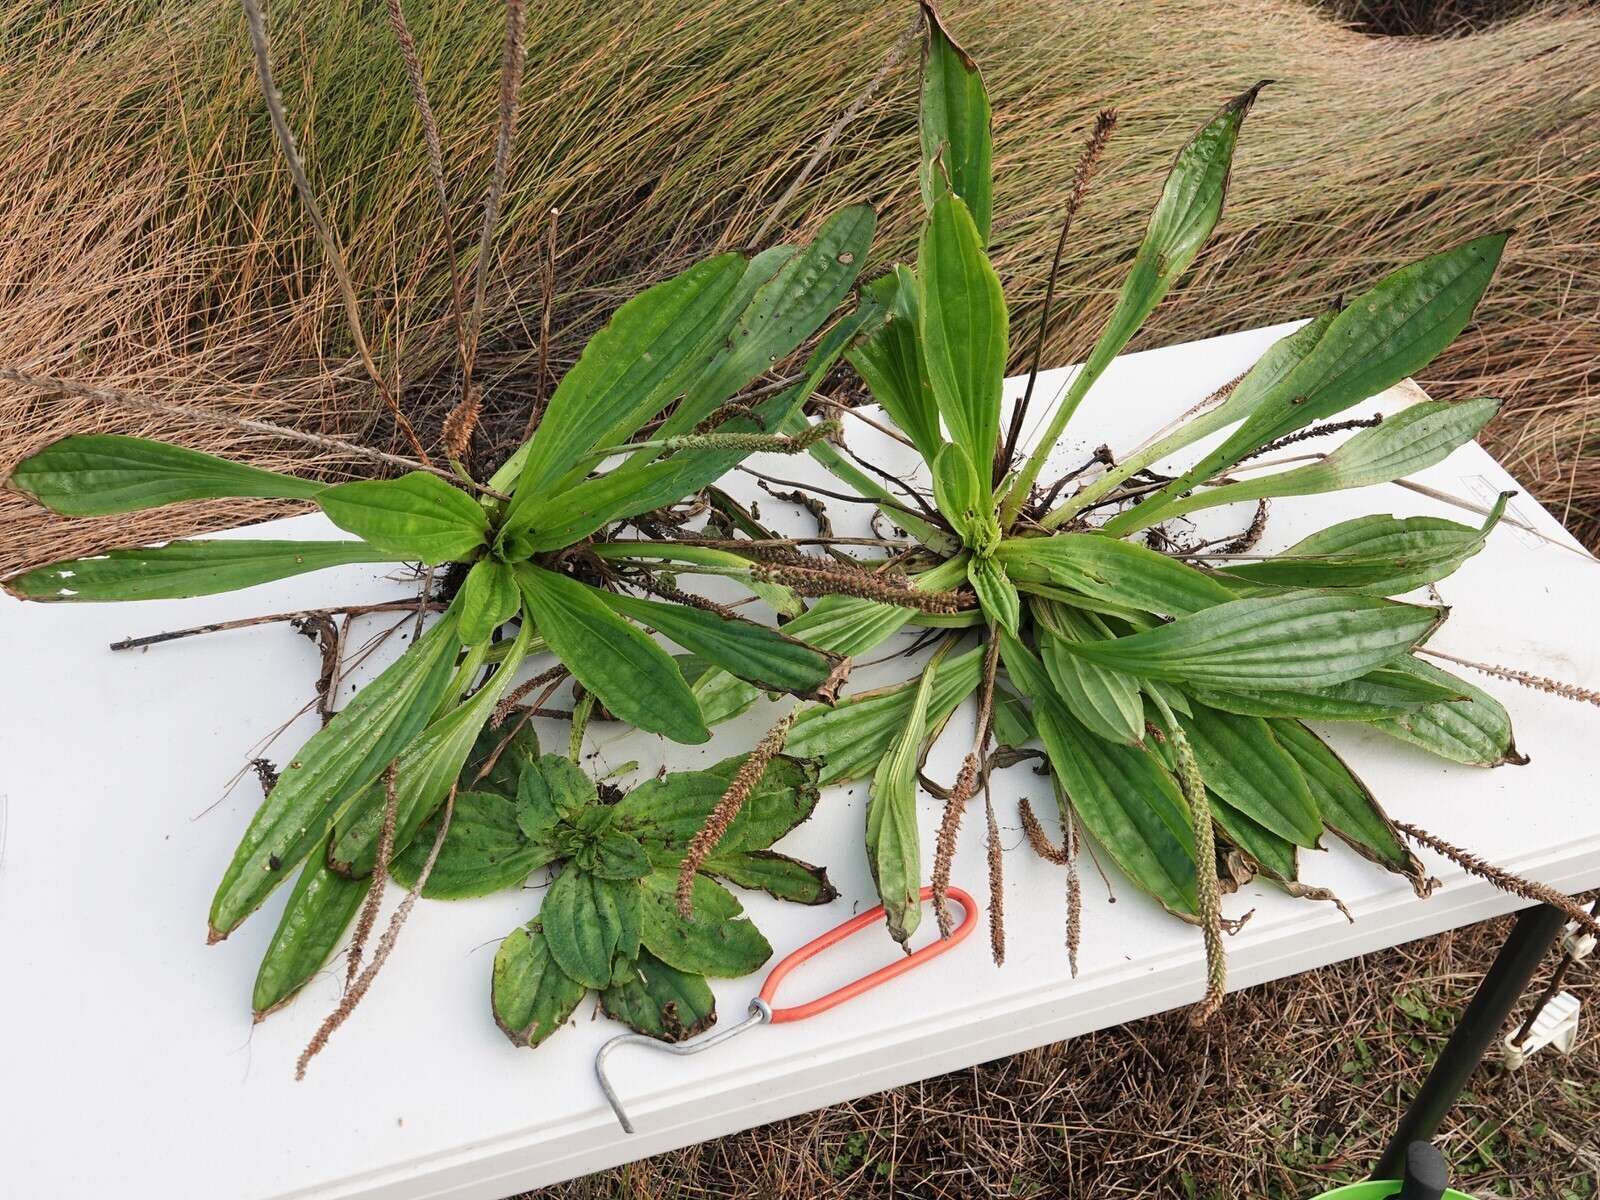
x=149 y=239
x=1293 y=1090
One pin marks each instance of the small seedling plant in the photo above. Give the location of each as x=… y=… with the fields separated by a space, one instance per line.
x=1169 y=685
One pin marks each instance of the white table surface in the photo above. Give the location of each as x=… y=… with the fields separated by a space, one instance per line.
x=129 y=1066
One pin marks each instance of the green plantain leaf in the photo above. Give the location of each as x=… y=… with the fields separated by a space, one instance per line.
x=1301 y=640
x=561 y=519
x=963 y=330
x=1385 y=692
x=1244 y=764
x=1106 y=569
x=1389 y=332
x=894 y=849
x=954 y=129
x=1122 y=794
x=850 y=737
x=485 y=851
x=95 y=475
x=340 y=759
x=889 y=359
x=1409 y=441
x=776 y=874
x=499 y=757
x=425 y=771
x=1347 y=805
x=181 y=569
x=661 y=1001
x=591 y=922
x=552 y=791
x=613 y=855
x=631 y=369
x=632 y=676
x=321 y=907
x=666 y=813
x=1188 y=210
x=418 y=516
x=530 y=994
x=1277 y=856
x=1379 y=555
x=1475 y=730
x=718 y=941
x=1013 y=722
x=1106 y=702
x=957 y=492
x=759 y=654
x=489 y=598
x=997 y=595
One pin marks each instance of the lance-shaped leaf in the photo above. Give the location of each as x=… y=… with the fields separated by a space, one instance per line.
x=425 y=771
x=954 y=126
x=850 y=737
x=631 y=369
x=1379 y=555
x=1107 y=569
x=321 y=906
x=660 y=1001
x=962 y=325
x=632 y=676
x=530 y=994
x=1347 y=804
x=666 y=813
x=889 y=359
x=846 y=625
x=1122 y=794
x=1475 y=730
x=363 y=737
x=894 y=848
x=489 y=598
x=95 y=475
x=485 y=850
x=758 y=654
x=997 y=595
x=957 y=492
x=719 y=940
x=1107 y=702
x=1190 y=205
x=1013 y=722
x=1386 y=692
x=786 y=310
x=1387 y=333
x=563 y=518
x=776 y=874
x=590 y=923
x=418 y=516
x=1301 y=640
x=181 y=569
x=1408 y=442
x=1244 y=764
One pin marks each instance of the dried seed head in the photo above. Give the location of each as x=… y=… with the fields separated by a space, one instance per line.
x=1537 y=683
x=965 y=786
x=1039 y=839
x=744 y=781
x=850 y=581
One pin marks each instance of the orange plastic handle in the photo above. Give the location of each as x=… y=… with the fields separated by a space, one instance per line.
x=849 y=991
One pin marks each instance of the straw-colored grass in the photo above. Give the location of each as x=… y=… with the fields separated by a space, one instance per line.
x=149 y=239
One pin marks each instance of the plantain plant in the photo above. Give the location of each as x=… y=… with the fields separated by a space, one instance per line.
x=1169 y=686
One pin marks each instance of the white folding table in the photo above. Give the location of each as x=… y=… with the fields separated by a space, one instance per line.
x=129 y=1065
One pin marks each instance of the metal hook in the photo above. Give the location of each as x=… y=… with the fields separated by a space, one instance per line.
x=760 y=1014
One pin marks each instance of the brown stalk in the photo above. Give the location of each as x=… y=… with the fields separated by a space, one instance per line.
x=211 y=416
x=1104 y=123
x=1501 y=878
x=308 y=614
x=380 y=875
x=324 y=232
x=547 y=306
x=745 y=780
x=464 y=416
x=391 y=934
x=1538 y=683
x=840 y=581
x=502 y=710
x=965 y=787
